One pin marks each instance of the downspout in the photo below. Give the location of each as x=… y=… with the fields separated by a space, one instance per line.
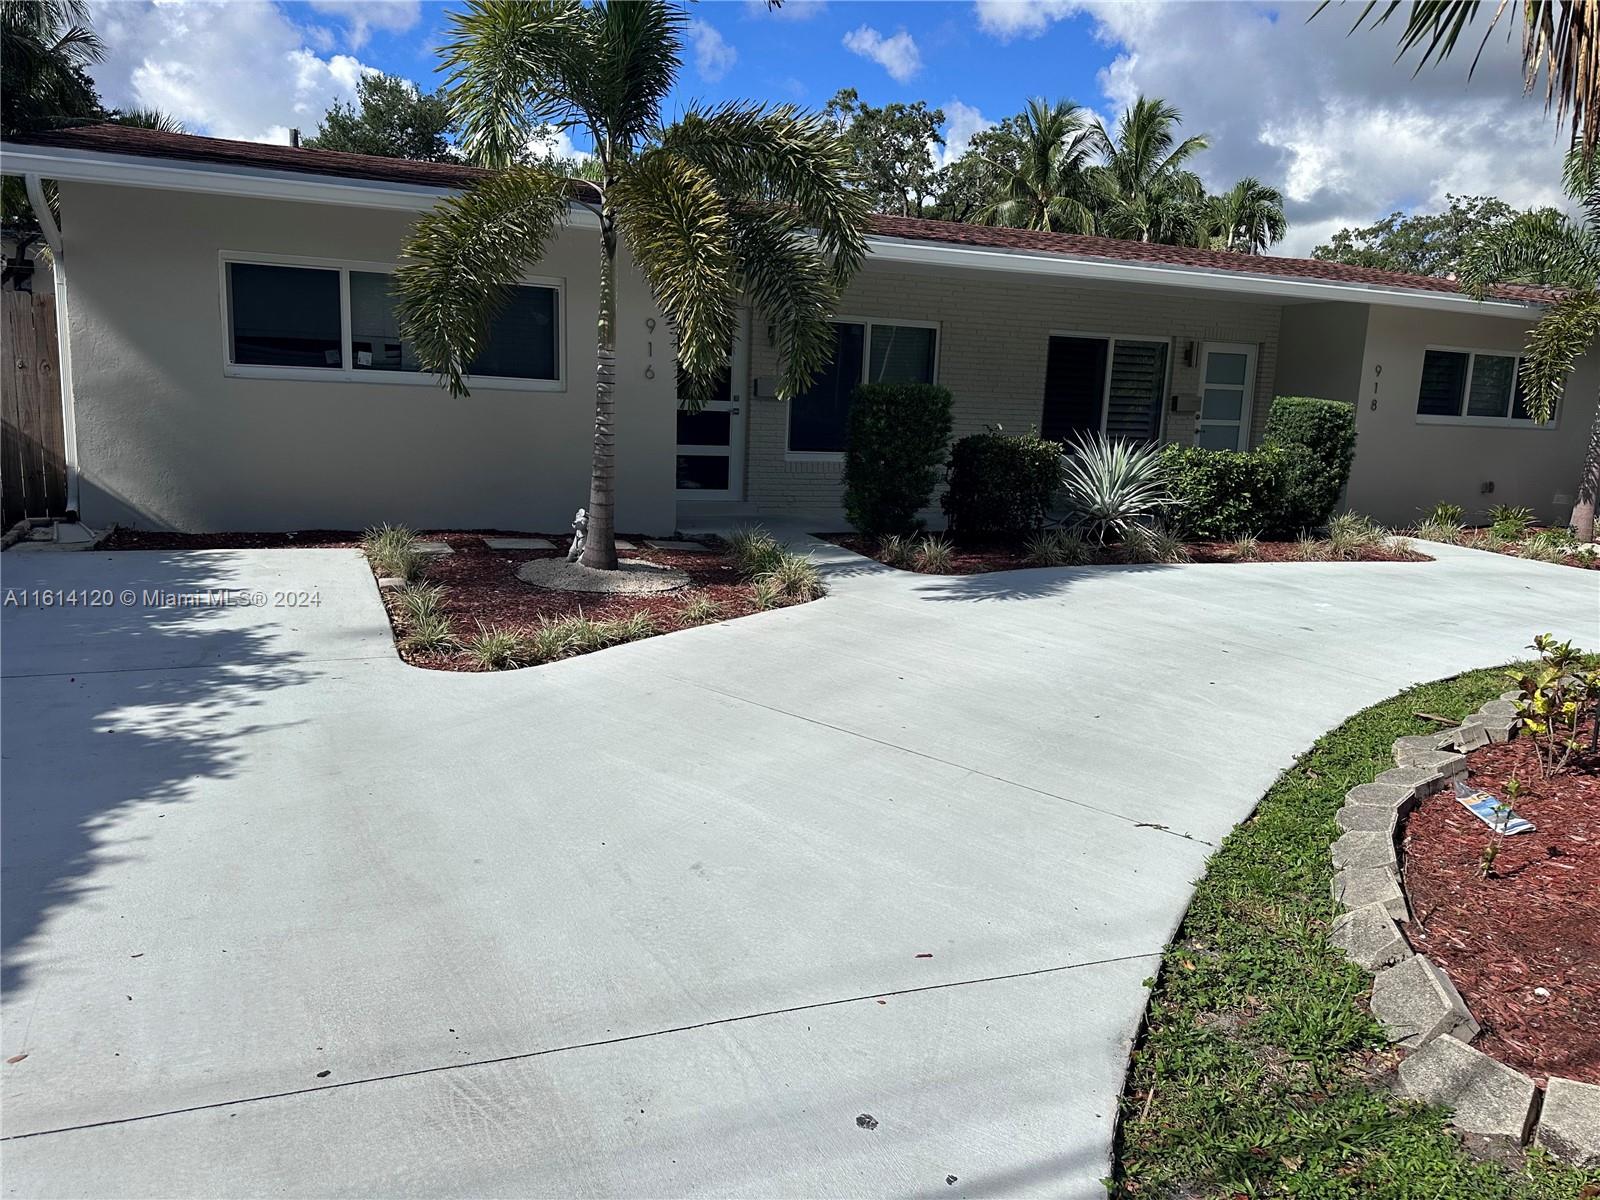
x=69 y=412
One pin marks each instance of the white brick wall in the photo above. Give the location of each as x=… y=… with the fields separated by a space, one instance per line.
x=994 y=335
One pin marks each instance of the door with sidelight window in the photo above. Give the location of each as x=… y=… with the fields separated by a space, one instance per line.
x=711 y=439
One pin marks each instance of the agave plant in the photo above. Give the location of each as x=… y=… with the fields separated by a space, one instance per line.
x=1113 y=486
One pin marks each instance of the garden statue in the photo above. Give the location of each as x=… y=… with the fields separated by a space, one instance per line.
x=580 y=533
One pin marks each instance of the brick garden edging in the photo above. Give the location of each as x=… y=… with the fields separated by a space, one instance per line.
x=1412 y=997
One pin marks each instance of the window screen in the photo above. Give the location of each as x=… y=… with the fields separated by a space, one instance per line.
x=284 y=316
x=1444 y=379
x=819 y=417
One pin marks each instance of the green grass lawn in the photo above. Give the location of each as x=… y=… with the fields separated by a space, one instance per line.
x=1260 y=1072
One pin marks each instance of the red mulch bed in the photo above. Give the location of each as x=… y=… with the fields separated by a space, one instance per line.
x=482 y=584
x=1534 y=923
x=1475 y=539
x=978 y=557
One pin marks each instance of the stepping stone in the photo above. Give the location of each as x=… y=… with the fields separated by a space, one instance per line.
x=1369 y=937
x=1569 y=1123
x=434 y=548
x=623 y=544
x=1486 y=1097
x=680 y=546
x=1416 y=1003
x=507 y=543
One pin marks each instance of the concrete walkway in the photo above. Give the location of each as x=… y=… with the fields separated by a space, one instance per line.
x=852 y=899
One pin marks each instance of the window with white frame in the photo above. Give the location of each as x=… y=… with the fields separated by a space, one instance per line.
x=306 y=320
x=1473 y=387
x=863 y=352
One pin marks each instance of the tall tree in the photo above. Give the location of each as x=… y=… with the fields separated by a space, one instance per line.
x=1421 y=243
x=893 y=148
x=738 y=201
x=1549 y=247
x=1248 y=217
x=391 y=118
x=1146 y=190
x=46 y=47
x=1037 y=166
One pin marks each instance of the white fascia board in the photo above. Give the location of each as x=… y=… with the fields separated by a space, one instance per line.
x=1029 y=262
x=126 y=170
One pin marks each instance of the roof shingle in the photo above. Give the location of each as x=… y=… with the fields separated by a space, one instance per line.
x=183 y=147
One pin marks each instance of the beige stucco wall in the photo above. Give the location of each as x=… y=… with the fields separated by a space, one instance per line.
x=1319 y=350
x=165 y=439
x=994 y=334
x=1403 y=468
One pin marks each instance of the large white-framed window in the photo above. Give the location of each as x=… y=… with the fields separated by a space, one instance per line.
x=1473 y=387
x=291 y=317
x=865 y=350
x=1113 y=383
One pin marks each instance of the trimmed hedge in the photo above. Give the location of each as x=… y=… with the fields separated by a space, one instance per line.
x=1001 y=484
x=1226 y=493
x=898 y=435
x=1324 y=431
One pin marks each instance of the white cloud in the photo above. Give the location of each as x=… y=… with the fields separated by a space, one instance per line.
x=1008 y=19
x=363 y=16
x=556 y=142
x=713 y=56
x=234 y=70
x=1328 y=116
x=961 y=123
x=897 y=55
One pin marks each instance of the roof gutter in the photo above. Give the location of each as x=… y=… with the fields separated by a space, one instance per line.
x=218 y=179
x=64 y=377
x=1030 y=262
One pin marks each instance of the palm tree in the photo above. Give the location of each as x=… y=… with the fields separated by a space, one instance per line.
x=731 y=202
x=1551 y=248
x=1248 y=217
x=1040 y=168
x=45 y=46
x=1560 y=41
x=1144 y=190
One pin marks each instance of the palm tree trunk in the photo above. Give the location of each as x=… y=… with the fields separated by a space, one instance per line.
x=1588 y=485
x=600 y=547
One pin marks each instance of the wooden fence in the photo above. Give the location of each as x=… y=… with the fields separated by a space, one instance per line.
x=33 y=463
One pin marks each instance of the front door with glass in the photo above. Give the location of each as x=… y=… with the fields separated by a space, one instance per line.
x=711 y=440
x=1227 y=379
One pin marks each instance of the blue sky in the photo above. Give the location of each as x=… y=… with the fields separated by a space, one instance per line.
x=1327 y=117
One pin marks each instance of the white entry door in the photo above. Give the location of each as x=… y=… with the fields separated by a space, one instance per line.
x=1227 y=382
x=711 y=440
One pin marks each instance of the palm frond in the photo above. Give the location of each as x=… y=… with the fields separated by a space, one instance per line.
x=508 y=64
x=1566 y=331
x=784 y=156
x=462 y=258
x=676 y=224
x=792 y=285
x=637 y=49
x=1536 y=247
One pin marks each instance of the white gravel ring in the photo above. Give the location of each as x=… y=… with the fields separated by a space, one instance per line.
x=633 y=577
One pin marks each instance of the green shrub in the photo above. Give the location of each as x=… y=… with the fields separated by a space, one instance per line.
x=1227 y=493
x=766 y=594
x=392 y=550
x=1155 y=544
x=1057 y=548
x=1445 y=514
x=1001 y=484
x=1433 y=528
x=1510 y=521
x=895 y=550
x=432 y=635
x=421 y=601
x=700 y=610
x=1320 y=436
x=1246 y=547
x=1351 y=533
x=899 y=433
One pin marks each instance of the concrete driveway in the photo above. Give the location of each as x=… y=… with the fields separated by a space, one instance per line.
x=856 y=898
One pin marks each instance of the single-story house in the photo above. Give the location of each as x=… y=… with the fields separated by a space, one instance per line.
x=232 y=359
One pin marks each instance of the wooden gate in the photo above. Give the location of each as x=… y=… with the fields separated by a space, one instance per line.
x=33 y=465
